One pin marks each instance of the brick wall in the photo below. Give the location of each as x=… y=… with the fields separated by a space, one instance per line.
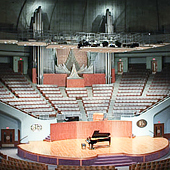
x=90 y=79
x=75 y=83
x=55 y=79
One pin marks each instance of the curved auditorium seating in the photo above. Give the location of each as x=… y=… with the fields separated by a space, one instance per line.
x=155 y=165
x=15 y=164
x=135 y=94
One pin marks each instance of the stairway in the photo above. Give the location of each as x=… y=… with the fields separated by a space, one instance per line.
x=47 y=139
x=110 y=116
x=113 y=160
x=82 y=111
x=149 y=82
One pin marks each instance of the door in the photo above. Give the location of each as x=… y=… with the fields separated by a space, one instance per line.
x=154 y=67
x=120 y=67
x=7 y=137
x=159 y=130
x=20 y=66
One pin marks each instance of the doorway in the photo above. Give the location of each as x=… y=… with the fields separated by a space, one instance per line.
x=159 y=130
x=20 y=66
x=154 y=67
x=120 y=67
x=8 y=137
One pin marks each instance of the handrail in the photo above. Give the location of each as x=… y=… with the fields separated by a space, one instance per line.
x=23 y=138
x=160 y=101
x=150 y=107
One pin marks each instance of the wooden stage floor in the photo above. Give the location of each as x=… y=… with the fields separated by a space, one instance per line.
x=119 y=145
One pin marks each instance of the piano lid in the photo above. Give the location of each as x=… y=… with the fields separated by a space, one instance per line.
x=96 y=134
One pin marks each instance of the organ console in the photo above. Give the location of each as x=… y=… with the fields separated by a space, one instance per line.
x=98 y=137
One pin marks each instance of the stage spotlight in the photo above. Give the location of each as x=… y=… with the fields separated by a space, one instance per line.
x=105 y=44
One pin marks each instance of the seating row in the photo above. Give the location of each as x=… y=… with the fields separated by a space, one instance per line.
x=136 y=101
x=133 y=82
x=14 y=163
x=18 y=103
x=95 y=101
x=46 y=86
x=17 y=93
x=130 y=91
x=155 y=165
x=65 y=107
x=14 y=79
x=28 y=95
x=101 y=94
x=129 y=94
x=22 y=99
x=15 y=89
x=134 y=78
x=95 y=98
x=132 y=85
x=16 y=83
x=3 y=155
x=159 y=88
x=103 y=88
x=126 y=112
x=76 y=89
x=102 y=85
x=157 y=93
x=97 y=105
x=130 y=88
x=6 y=96
x=78 y=93
x=4 y=93
x=102 y=91
x=129 y=107
x=32 y=106
x=42 y=89
x=129 y=98
x=132 y=104
x=138 y=98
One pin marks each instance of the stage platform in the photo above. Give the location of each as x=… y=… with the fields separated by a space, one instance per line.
x=69 y=152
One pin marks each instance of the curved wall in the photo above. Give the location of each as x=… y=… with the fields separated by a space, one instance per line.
x=81 y=130
x=16 y=119
x=88 y=15
x=159 y=112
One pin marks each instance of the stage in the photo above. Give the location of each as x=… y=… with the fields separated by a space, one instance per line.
x=69 y=151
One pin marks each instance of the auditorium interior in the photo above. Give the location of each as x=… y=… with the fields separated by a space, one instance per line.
x=84 y=85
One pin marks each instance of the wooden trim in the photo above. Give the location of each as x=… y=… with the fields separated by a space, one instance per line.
x=143 y=156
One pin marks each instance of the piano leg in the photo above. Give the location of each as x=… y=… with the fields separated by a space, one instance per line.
x=91 y=146
x=109 y=143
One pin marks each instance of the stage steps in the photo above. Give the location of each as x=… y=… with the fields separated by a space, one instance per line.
x=47 y=139
x=113 y=160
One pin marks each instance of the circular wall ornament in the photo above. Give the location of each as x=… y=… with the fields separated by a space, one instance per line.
x=36 y=127
x=7 y=137
x=141 y=123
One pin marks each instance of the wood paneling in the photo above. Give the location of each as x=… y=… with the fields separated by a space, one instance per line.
x=71 y=148
x=81 y=130
x=113 y=75
x=81 y=57
x=62 y=55
x=55 y=79
x=90 y=79
x=71 y=83
x=34 y=75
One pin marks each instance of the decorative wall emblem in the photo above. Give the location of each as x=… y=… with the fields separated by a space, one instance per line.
x=141 y=123
x=36 y=127
x=8 y=138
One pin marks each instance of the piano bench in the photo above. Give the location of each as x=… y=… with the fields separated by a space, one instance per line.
x=83 y=146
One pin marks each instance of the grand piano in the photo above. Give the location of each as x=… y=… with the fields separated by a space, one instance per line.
x=98 y=137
